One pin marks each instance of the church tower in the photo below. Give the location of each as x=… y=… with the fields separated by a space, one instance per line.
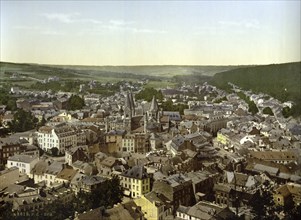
x=127 y=111
x=153 y=110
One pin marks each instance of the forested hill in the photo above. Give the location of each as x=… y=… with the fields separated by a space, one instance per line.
x=282 y=81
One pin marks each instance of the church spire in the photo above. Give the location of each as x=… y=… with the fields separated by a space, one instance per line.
x=154 y=105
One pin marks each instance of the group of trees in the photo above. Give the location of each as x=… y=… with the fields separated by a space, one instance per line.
x=75 y=102
x=65 y=86
x=148 y=93
x=263 y=206
x=23 y=121
x=8 y=100
x=170 y=106
x=287 y=111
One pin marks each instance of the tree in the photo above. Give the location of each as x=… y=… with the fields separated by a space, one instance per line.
x=54 y=151
x=287 y=112
x=294 y=213
x=148 y=93
x=263 y=206
x=267 y=111
x=23 y=121
x=42 y=122
x=57 y=210
x=252 y=107
x=75 y=102
x=6 y=211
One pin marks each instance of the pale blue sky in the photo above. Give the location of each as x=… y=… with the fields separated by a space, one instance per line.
x=150 y=32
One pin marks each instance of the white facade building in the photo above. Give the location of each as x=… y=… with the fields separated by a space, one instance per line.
x=25 y=163
x=128 y=143
x=59 y=136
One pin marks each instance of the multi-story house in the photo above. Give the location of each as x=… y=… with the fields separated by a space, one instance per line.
x=106 y=167
x=141 y=143
x=51 y=173
x=128 y=143
x=25 y=163
x=60 y=136
x=135 y=181
x=8 y=147
x=87 y=183
x=177 y=189
x=74 y=154
x=66 y=174
x=114 y=140
x=153 y=206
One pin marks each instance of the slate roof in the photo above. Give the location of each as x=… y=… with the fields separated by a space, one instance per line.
x=54 y=168
x=22 y=158
x=176 y=179
x=92 y=180
x=264 y=168
x=136 y=172
x=9 y=141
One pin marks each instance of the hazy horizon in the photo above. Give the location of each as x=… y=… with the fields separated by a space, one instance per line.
x=140 y=65
x=150 y=33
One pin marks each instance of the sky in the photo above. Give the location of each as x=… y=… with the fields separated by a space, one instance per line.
x=150 y=32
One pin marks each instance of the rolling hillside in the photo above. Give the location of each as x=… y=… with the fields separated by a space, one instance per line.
x=157 y=75
x=282 y=81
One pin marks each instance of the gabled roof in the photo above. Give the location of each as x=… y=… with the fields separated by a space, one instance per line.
x=67 y=173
